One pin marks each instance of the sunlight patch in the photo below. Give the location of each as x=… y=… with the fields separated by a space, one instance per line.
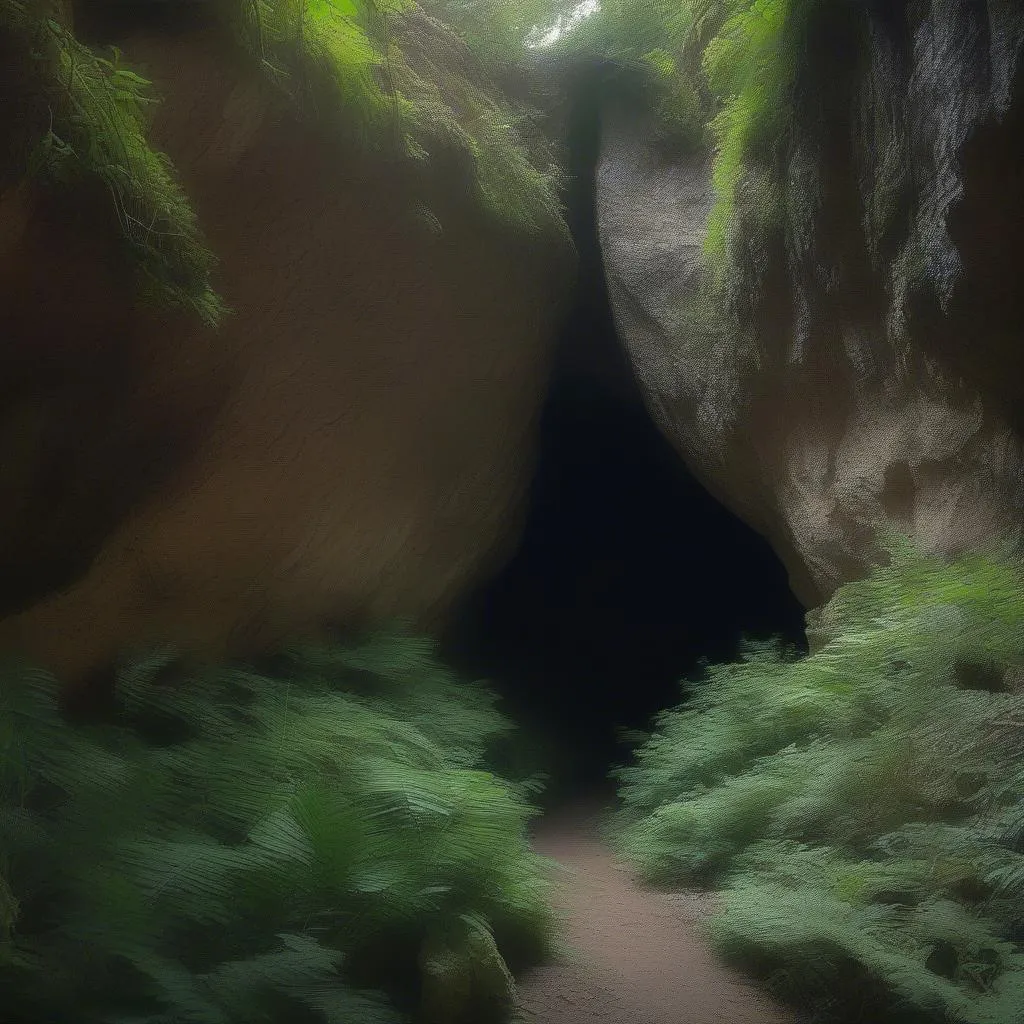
x=541 y=38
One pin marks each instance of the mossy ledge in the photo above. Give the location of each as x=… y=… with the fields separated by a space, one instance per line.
x=384 y=74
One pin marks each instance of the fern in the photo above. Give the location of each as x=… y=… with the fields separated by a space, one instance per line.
x=238 y=846
x=84 y=118
x=394 y=79
x=865 y=823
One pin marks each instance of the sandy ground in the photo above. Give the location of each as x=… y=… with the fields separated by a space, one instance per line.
x=638 y=955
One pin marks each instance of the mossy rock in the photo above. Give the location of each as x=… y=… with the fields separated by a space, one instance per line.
x=382 y=74
x=465 y=979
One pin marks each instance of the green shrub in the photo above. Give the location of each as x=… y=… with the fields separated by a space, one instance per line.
x=862 y=808
x=238 y=844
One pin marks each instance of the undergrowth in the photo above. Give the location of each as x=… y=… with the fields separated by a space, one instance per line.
x=83 y=117
x=861 y=808
x=242 y=844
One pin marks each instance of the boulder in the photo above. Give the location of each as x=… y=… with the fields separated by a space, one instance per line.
x=353 y=442
x=851 y=403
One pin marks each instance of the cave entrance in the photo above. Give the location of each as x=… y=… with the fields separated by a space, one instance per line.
x=628 y=571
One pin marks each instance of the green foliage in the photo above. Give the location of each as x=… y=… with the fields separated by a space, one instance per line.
x=246 y=845
x=356 y=64
x=496 y=29
x=84 y=119
x=397 y=80
x=325 y=40
x=718 y=73
x=862 y=807
x=454 y=105
x=660 y=44
x=725 y=70
x=751 y=74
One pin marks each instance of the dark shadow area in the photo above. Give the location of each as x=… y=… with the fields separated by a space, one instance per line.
x=97 y=22
x=628 y=571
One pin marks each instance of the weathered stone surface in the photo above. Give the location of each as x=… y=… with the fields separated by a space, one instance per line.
x=822 y=444
x=355 y=440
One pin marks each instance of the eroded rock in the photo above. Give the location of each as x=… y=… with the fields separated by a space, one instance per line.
x=863 y=395
x=354 y=441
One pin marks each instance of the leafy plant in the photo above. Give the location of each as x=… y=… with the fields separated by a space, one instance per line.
x=245 y=844
x=83 y=118
x=750 y=72
x=863 y=807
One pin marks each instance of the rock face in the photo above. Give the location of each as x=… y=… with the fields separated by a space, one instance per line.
x=852 y=404
x=353 y=442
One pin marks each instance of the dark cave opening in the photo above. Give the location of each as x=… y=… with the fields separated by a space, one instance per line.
x=628 y=572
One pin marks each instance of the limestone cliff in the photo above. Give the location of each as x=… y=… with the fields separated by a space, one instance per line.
x=861 y=367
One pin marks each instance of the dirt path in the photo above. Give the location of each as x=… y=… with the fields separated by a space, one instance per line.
x=639 y=956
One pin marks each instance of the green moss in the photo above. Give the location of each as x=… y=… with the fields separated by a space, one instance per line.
x=323 y=52
x=717 y=73
x=455 y=105
x=749 y=71
x=465 y=978
x=395 y=79
x=82 y=118
x=356 y=65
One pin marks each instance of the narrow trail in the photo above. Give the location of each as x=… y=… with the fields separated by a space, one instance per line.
x=638 y=955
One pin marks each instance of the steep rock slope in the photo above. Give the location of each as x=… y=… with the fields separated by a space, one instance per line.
x=859 y=364
x=353 y=441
